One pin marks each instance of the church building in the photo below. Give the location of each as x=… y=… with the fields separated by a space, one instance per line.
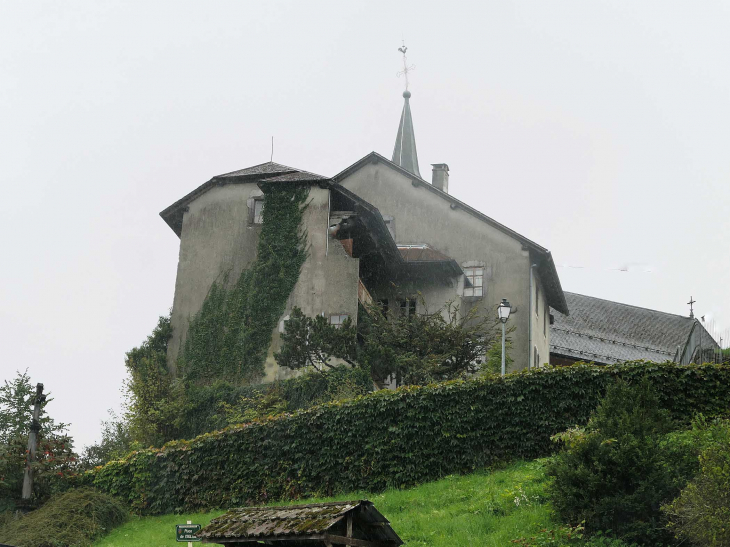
x=376 y=231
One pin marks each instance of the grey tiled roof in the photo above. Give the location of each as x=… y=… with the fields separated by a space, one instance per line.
x=262 y=169
x=607 y=332
x=298 y=176
x=269 y=172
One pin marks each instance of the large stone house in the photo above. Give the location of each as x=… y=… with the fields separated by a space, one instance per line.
x=376 y=230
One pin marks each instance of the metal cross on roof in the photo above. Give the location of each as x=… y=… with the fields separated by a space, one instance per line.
x=406 y=68
x=691 y=303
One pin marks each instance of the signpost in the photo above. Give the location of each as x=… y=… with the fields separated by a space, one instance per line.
x=186 y=532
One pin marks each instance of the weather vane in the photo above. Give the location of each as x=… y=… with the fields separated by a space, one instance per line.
x=406 y=68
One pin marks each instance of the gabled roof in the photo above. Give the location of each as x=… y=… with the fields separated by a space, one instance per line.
x=608 y=332
x=314 y=524
x=264 y=172
x=538 y=254
x=404 y=151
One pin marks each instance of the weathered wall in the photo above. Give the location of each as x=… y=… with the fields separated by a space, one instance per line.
x=540 y=329
x=218 y=241
x=328 y=281
x=421 y=216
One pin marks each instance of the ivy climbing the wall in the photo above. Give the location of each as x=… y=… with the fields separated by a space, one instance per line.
x=230 y=336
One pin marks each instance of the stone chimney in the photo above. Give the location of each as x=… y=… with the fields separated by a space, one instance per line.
x=440 y=177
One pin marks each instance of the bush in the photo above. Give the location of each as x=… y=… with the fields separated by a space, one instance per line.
x=75 y=518
x=393 y=438
x=221 y=404
x=566 y=536
x=614 y=475
x=701 y=513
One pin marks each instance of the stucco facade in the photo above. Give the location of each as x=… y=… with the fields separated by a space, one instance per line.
x=425 y=217
x=416 y=244
x=218 y=241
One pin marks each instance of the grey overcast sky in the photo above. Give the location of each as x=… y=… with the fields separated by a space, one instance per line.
x=598 y=129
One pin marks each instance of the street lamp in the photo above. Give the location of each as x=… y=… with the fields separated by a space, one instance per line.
x=503 y=312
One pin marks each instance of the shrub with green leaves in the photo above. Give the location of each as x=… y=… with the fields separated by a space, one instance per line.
x=615 y=474
x=394 y=438
x=55 y=458
x=73 y=519
x=701 y=513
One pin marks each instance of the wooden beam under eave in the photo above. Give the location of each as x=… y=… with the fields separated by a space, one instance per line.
x=341 y=540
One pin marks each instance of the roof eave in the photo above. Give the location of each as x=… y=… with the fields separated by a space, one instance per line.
x=556 y=296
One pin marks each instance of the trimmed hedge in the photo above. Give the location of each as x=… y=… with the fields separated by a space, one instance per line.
x=393 y=438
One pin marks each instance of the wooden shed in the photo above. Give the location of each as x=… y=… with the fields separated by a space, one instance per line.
x=356 y=523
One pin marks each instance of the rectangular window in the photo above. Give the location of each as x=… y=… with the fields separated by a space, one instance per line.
x=407 y=307
x=258 y=210
x=545 y=323
x=535 y=357
x=475 y=278
x=537 y=299
x=337 y=319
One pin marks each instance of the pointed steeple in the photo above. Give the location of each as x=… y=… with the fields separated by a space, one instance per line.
x=404 y=153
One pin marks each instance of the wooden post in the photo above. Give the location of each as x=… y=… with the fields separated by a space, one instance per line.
x=35 y=427
x=190 y=543
x=349 y=524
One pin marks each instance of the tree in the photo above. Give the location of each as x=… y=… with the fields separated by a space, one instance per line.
x=412 y=349
x=116 y=442
x=313 y=342
x=55 y=458
x=156 y=397
x=615 y=474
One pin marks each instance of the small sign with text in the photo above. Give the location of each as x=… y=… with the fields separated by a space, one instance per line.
x=186 y=532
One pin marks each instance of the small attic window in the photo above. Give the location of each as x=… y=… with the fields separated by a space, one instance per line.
x=258 y=211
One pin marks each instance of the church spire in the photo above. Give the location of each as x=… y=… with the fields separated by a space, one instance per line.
x=404 y=153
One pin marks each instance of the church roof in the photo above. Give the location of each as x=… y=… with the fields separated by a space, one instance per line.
x=404 y=152
x=608 y=332
x=540 y=255
x=264 y=172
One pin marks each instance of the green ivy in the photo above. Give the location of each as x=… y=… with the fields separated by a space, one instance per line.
x=394 y=438
x=230 y=336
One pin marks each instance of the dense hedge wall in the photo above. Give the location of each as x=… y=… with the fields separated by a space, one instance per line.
x=393 y=438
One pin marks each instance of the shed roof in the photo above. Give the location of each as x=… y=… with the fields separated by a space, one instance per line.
x=608 y=332
x=313 y=524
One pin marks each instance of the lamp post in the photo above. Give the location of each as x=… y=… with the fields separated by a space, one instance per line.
x=503 y=312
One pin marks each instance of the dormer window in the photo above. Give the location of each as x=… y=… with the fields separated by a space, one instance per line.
x=474 y=281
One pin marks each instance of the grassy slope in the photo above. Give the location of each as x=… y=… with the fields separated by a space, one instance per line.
x=485 y=509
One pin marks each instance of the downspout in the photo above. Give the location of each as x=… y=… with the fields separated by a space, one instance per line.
x=530 y=351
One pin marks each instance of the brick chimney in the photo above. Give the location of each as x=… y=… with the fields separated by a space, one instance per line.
x=440 y=177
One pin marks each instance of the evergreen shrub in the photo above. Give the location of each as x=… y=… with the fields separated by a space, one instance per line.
x=701 y=513
x=393 y=438
x=614 y=475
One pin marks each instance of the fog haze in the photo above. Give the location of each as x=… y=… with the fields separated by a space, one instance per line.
x=599 y=130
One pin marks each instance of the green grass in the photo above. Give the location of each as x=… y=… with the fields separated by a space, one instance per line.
x=482 y=509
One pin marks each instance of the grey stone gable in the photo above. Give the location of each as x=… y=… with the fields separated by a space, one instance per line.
x=608 y=332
